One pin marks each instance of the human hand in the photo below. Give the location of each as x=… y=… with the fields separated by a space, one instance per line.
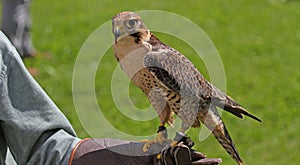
x=112 y=151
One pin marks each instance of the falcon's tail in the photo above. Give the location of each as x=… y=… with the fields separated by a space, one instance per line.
x=213 y=121
x=225 y=102
x=229 y=105
x=224 y=139
x=236 y=109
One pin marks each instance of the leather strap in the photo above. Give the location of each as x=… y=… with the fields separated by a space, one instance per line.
x=74 y=150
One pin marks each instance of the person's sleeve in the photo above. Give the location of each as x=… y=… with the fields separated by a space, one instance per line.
x=33 y=127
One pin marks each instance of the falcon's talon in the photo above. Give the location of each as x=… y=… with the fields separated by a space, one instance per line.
x=158 y=156
x=160 y=139
x=174 y=143
x=147 y=145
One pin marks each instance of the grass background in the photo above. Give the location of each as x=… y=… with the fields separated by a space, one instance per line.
x=258 y=41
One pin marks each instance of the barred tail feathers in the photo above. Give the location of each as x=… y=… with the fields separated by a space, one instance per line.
x=222 y=135
x=211 y=119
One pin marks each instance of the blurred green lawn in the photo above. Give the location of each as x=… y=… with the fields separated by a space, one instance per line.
x=258 y=41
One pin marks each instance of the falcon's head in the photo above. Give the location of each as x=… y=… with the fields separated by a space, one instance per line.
x=127 y=23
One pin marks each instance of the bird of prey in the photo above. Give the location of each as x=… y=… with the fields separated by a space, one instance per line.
x=171 y=82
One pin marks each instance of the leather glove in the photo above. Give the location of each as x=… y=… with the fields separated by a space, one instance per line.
x=182 y=154
x=112 y=151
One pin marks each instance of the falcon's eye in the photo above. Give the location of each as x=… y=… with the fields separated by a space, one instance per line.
x=131 y=23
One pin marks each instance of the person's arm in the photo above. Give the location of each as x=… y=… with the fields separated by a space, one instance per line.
x=31 y=125
x=36 y=131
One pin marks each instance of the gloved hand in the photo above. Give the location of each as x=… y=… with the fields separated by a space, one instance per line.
x=112 y=151
x=182 y=154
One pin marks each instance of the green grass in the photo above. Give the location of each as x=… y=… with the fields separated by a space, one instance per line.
x=258 y=42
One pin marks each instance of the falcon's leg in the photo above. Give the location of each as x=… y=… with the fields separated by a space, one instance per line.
x=161 y=138
x=180 y=136
x=165 y=116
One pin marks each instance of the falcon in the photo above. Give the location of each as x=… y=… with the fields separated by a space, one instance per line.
x=172 y=83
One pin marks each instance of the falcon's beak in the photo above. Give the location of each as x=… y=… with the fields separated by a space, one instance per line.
x=117 y=33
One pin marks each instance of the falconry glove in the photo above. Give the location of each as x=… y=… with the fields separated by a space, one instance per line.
x=112 y=151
